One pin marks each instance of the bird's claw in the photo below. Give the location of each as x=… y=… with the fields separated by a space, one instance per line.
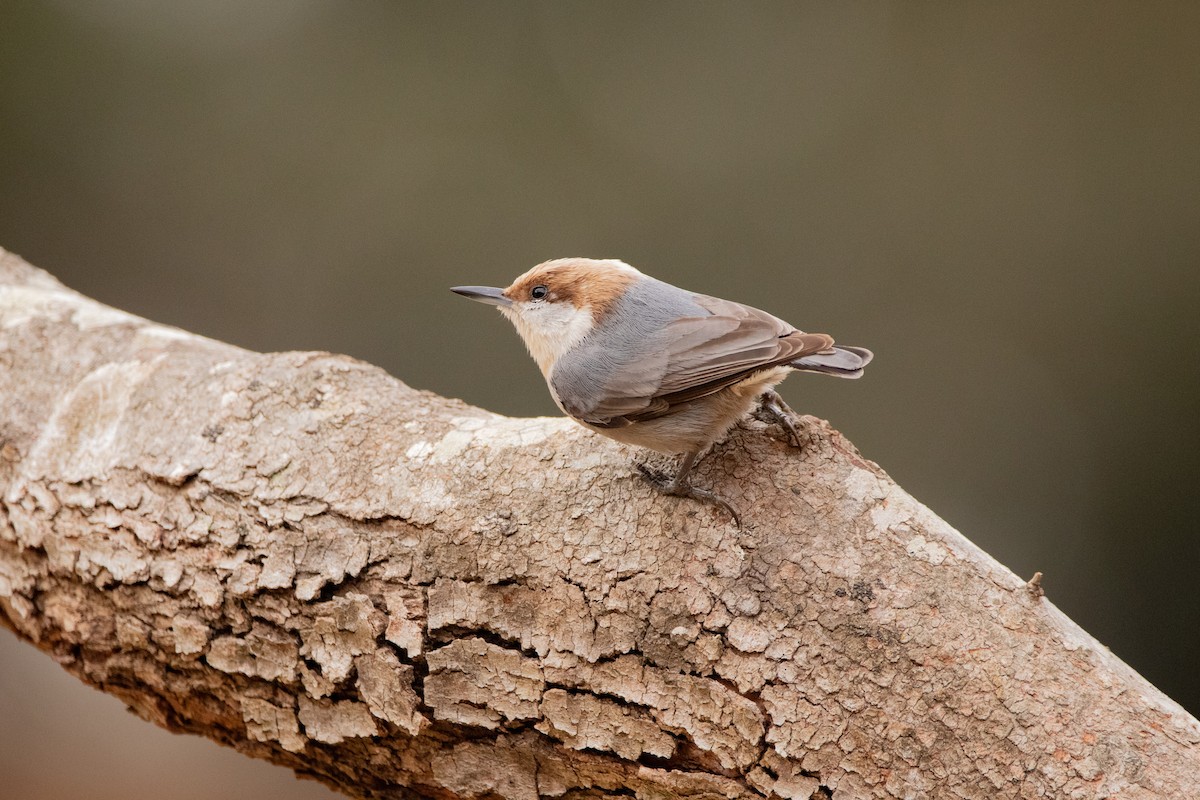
x=655 y=477
x=772 y=408
x=677 y=488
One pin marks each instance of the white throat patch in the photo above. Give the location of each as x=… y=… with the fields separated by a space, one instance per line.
x=550 y=329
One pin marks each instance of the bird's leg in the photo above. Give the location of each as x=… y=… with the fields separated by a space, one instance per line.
x=680 y=486
x=771 y=408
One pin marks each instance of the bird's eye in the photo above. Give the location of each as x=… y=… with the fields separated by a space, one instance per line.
x=538 y=292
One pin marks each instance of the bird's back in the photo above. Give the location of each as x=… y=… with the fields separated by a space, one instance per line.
x=625 y=355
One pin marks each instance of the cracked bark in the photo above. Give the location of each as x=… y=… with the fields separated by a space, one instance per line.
x=399 y=595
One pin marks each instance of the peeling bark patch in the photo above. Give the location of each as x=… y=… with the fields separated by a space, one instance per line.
x=584 y=721
x=406 y=619
x=474 y=682
x=717 y=720
x=475 y=770
x=326 y=559
x=265 y=652
x=340 y=629
x=278 y=569
x=267 y=722
x=782 y=778
x=556 y=618
x=386 y=686
x=748 y=636
x=332 y=722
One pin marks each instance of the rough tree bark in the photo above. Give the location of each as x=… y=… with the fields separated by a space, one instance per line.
x=399 y=595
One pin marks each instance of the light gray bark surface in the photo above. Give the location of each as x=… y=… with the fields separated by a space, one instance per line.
x=299 y=556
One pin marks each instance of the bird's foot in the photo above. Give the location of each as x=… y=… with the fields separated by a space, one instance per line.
x=677 y=488
x=655 y=477
x=772 y=409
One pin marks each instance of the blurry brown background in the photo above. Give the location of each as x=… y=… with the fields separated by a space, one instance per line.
x=1002 y=200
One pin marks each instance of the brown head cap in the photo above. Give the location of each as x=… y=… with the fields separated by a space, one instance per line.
x=584 y=282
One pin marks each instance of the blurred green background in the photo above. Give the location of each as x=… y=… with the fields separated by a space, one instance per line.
x=1002 y=200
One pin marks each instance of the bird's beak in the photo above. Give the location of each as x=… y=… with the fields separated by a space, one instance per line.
x=484 y=294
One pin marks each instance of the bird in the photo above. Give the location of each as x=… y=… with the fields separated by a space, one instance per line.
x=647 y=363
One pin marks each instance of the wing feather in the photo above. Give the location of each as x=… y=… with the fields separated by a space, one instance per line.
x=696 y=356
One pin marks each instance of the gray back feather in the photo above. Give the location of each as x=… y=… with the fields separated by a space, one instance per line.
x=627 y=356
x=663 y=347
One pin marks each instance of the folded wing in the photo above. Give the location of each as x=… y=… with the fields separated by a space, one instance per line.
x=687 y=358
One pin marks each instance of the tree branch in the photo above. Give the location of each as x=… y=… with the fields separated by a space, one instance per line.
x=298 y=556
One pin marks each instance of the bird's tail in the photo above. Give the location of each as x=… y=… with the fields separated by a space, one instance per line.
x=839 y=361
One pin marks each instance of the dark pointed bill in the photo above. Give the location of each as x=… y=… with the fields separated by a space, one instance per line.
x=484 y=294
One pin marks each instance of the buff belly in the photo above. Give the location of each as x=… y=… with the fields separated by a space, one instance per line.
x=699 y=423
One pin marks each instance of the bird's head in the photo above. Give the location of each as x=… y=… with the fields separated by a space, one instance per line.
x=558 y=303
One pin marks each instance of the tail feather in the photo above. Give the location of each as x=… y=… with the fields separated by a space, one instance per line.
x=839 y=361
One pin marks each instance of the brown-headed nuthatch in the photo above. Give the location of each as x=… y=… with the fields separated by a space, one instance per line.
x=650 y=364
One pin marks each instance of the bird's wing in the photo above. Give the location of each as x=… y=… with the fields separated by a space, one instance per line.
x=695 y=356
